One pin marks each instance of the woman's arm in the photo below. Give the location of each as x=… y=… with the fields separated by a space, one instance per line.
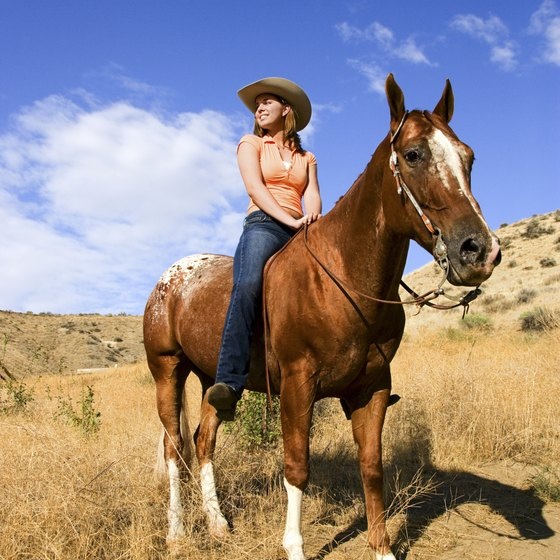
x=249 y=166
x=312 y=196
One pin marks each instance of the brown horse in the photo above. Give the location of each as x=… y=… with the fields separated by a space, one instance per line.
x=330 y=331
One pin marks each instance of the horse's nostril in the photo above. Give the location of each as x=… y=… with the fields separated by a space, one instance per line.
x=470 y=251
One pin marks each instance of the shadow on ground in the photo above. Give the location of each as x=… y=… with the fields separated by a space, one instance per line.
x=522 y=508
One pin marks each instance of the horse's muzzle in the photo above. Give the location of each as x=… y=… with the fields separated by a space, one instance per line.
x=472 y=259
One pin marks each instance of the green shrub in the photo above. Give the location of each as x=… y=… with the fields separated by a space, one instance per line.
x=539 y=319
x=86 y=417
x=257 y=425
x=534 y=229
x=477 y=321
x=547 y=485
x=547 y=262
x=15 y=397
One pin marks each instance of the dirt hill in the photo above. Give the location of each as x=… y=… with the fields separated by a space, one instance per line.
x=529 y=277
x=39 y=344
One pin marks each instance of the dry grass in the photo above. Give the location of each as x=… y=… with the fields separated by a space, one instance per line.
x=466 y=401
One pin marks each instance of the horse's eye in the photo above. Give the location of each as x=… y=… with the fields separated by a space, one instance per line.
x=412 y=156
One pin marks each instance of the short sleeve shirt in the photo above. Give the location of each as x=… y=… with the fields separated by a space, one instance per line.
x=286 y=184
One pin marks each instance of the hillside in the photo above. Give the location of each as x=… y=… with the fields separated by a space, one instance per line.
x=528 y=277
x=34 y=344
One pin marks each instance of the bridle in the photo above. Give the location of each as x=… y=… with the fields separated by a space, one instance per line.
x=439 y=246
x=439 y=252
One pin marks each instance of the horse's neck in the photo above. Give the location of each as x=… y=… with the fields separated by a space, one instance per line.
x=359 y=241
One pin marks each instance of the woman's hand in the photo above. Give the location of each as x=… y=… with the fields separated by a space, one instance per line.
x=307 y=219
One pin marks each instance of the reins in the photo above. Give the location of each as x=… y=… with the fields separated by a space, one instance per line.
x=439 y=252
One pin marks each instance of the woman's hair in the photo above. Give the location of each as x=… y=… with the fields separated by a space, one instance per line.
x=290 y=132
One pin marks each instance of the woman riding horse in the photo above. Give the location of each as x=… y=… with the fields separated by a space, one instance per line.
x=277 y=173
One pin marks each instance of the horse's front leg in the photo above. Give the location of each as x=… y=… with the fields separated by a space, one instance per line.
x=296 y=411
x=367 y=426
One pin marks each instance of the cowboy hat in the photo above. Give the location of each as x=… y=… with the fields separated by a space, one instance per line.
x=281 y=87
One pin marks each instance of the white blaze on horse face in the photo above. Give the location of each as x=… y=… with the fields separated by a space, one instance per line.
x=175 y=511
x=448 y=162
x=217 y=523
x=293 y=539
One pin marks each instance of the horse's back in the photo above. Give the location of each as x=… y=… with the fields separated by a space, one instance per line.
x=185 y=311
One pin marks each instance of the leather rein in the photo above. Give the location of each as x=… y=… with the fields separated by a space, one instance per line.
x=439 y=252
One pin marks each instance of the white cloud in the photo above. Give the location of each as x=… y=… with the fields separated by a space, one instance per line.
x=545 y=22
x=384 y=39
x=411 y=52
x=373 y=73
x=96 y=202
x=374 y=32
x=489 y=30
x=494 y=33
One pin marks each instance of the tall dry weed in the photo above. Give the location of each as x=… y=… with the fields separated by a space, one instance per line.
x=465 y=401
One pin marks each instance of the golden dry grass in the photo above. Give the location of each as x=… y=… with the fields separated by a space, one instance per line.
x=466 y=402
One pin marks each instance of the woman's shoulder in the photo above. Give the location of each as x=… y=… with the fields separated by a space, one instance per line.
x=310 y=157
x=251 y=139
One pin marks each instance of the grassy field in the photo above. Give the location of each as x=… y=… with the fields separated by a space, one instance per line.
x=77 y=454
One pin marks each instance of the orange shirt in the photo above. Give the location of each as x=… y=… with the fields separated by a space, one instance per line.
x=285 y=185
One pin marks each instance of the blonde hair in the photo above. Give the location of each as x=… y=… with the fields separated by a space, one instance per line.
x=290 y=132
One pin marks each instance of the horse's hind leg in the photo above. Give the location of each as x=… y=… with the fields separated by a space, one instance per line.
x=170 y=374
x=205 y=441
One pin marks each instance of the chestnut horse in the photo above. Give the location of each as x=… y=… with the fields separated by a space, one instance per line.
x=331 y=332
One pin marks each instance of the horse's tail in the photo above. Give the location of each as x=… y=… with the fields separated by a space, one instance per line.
x=160 y=469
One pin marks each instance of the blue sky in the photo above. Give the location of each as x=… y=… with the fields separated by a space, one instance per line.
x=119 y=122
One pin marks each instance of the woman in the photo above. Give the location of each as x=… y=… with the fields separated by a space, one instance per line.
x=278 y=174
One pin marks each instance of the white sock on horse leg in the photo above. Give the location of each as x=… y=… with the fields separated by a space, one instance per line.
x=388 y=556
x=217 y=523
x=293 y=539
x=175 y=511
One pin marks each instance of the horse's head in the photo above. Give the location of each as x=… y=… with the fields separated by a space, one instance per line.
x=429 y=198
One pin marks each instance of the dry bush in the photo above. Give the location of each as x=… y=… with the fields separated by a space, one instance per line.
x=68 y=496
x=540 y=319
x=477 y=399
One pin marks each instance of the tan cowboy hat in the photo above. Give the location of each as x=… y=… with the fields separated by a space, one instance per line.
x=286 y=89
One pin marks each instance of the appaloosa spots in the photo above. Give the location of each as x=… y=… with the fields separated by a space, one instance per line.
x=185 y=269
x=180 y=273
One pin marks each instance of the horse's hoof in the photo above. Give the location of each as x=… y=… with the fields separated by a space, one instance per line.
x=219 y=530
x=175 y=545
x=394 y=399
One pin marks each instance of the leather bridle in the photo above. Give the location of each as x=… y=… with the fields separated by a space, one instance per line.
x=439 y=252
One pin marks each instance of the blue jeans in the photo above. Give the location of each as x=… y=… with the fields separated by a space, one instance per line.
x=262 y=237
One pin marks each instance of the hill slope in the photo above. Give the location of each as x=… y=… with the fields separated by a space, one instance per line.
x=528 y=277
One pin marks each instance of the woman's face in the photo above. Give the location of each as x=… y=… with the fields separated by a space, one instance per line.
x=270 y=111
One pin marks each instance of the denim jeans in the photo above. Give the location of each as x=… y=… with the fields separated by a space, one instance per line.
x=262 y=237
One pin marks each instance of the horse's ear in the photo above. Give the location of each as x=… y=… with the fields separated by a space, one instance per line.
x=446 y=104
x=395 y=99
